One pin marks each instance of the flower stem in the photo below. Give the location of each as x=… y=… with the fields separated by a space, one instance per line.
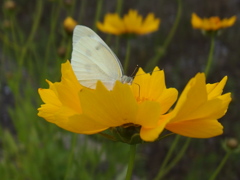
x=210 y=56
x=216 y=172
x=131 y=161
x=166 y=168
x=71 y=155
x=178 y=157
x=82 y=11
x=154 y=61
x=168 y=156
x=118 y=11
x=126 y=62
x=119 y=6
x=98 y=13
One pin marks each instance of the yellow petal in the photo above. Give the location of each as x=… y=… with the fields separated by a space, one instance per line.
x=112 y=24
x=111 y=108
x=151 y=134
x=212 y=109
x=195 y=115
x=85 y=125
x=196 y=21
x=152 y=88
x=148 y=114
x=49 y=97
x=150 y=24
x=61 y=97
x=191 y=98
x=216 y=89
x=202 y=128
x=229 y=22
x=132 y=21
x=52 y=105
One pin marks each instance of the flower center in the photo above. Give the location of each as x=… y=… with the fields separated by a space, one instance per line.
x=142 y=99
x=215 y=20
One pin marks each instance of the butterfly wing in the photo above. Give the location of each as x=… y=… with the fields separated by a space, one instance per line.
x=93 y=60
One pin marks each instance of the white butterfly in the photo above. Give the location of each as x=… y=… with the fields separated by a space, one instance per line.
x=93 y=60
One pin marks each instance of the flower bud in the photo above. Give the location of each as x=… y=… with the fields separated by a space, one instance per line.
x=69 y=24
x=9 y=5
x=232 y=143
x=68 y=3
x=61 y=51
x=6 y=24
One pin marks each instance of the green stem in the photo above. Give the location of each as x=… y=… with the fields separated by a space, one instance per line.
x=210 y=55
x=33 y=31
x=168 y=156
x=131 y=161
x=155 y=60
x=178 y=157
x=117 y=44
x=119 y=7
x=126 y=61
x=71 y=11
x=220 y=166
x=69 y=47
x=14 y=39
x=82 y=11
x=167 y=168
x=24 y=50
x=71 y=155
x=118 y=11
x=98 y=12
x=51 y=40
x=6 y=41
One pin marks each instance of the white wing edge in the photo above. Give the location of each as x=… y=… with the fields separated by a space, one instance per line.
x=83 y=31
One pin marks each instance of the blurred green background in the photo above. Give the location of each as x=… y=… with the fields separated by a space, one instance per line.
x=33 y=44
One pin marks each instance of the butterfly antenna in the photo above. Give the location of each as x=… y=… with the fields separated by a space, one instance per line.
x=135 y=70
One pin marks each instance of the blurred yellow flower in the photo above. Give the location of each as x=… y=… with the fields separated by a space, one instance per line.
x=69 y=24
x=142 y=106
x=131 y=23
x=213 y=23
x=198 y=108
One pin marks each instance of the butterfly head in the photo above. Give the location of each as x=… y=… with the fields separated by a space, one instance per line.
x=126 y=79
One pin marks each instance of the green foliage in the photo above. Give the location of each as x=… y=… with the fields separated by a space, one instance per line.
x=33 y=44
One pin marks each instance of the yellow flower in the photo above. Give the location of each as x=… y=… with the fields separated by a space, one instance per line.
x=139 y=108
x=87 y=111
x=132 y=23
x=198 y=108
x=213 y=23
x=69 y=24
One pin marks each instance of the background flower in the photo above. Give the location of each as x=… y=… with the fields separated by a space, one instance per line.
x=131 y=23
x=213 y=23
